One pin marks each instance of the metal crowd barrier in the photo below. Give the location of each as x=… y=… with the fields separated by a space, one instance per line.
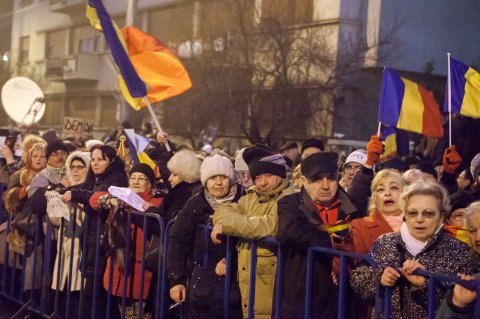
x=432 y=279
x=43 y=307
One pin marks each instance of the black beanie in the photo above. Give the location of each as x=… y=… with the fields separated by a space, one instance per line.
x=313 y=142
x=459 y=200
x=55 y=145
x=145 y=170
x=261 y=159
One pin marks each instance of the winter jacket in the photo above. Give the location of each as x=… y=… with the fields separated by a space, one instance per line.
x=253 y=217
x=136 y=250
x=187 y=246
x=448 y=310
x=113 y=176
x=359 y=190
x=443 y=254
x=366 y=230
x=298 y=229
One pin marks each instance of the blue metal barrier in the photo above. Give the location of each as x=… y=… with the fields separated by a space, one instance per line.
x=433 y=279
x=43 y=308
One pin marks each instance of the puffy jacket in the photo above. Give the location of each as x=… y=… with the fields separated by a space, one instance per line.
x=253 y=217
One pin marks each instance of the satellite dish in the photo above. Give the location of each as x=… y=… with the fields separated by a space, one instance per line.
x=23 y=100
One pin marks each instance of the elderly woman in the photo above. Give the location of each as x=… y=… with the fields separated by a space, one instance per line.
x=421 y=244
x=141 y=181
x=188 y=245
x=385 y=215
x=76 y=166
x=106 y=169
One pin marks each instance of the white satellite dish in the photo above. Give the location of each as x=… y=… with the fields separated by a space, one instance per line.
x=23 y=100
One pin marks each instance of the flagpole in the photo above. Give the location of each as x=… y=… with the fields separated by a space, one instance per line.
x=379 y=128
x=449 y=90
x=155 y=120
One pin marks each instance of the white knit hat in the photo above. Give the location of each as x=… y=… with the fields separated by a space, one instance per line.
x=185 y=165
x=240 y=164
x=358 y=156
x=216 y=164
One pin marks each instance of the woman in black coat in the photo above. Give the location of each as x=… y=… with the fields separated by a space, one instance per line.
x=106 y=169
x=188 y=245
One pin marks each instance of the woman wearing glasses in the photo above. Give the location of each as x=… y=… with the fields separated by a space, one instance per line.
x=188 y=246
x=141 y=181
x=76 y=168
x=421 y=243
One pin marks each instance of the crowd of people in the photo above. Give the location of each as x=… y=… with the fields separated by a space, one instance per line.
x=404 y=214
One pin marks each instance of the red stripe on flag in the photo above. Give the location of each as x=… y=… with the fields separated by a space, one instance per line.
x=432 y=122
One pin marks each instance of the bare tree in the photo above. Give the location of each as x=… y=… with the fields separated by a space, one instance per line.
x=268 y=72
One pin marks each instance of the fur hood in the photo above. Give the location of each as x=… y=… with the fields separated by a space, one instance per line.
x=186 y=165
x=85 y=156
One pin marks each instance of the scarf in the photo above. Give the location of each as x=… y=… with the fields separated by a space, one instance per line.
x=227 y=199
x=414 y=246
x=394 y=221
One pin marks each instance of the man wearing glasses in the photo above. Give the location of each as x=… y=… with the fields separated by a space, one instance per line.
x=353 y=164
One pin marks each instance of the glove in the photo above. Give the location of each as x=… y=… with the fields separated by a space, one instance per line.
x=374 y=149
x=451 y=160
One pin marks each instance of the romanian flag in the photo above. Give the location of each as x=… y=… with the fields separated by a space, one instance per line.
x=137 y=145
x=465 y=83
x=409 y=106
x=389 y=138
x=147 y=67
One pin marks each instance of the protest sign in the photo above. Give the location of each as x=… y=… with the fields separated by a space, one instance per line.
x=128 y=196
x=55 y=206
x=73 y=125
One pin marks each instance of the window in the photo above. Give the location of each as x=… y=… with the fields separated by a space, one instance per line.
x=84 y=40
x=288 y=11
x=56 y=42
x=82 y=107
x=23 y=49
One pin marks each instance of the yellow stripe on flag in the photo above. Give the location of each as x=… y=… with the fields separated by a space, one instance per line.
x=411 y=113
x=471 y=101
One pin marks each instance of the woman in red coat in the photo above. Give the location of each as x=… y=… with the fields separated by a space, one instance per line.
x=140 y=181
x=385 y=216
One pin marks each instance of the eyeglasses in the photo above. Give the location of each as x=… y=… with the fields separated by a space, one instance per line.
x=458 y=217
x=138 y=179
x=59 y=153
x=426 y=214
x=76 y=167
x=350 y=168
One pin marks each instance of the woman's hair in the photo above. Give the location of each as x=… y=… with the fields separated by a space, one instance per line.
x=108 y=153
x=470 y=210
x=30 y=141
x=413 y=175
x=380 y=177
x=427 y=189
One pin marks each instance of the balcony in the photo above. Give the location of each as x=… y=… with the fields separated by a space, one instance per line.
x=81 y=67
x=68 y=6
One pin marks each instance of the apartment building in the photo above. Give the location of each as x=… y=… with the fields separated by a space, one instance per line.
x=53 y=44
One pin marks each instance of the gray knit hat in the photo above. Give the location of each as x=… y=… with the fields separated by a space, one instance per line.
x=475 y=166
x=216 y=164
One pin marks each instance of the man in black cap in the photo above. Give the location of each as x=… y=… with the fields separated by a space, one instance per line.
x=255 y=216
x=290 y=150
x=311 y=146
x=318 y=215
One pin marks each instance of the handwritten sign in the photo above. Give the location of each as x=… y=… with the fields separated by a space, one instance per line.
x=128 y=196
x=77 y=125
x=55 y=206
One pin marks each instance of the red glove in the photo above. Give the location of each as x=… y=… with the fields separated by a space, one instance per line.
x=451 y=160
x=374 y=149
